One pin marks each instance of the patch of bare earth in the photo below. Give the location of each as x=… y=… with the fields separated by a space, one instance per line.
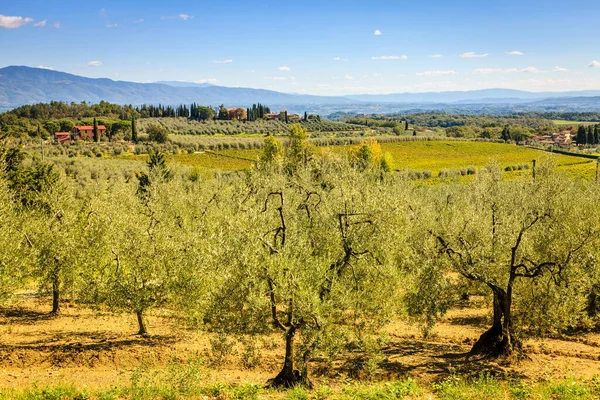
x=100 y=350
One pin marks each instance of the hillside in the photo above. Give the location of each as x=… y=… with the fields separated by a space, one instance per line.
x=25 y=85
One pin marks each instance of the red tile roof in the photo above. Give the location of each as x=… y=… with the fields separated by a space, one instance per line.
x=89 y=127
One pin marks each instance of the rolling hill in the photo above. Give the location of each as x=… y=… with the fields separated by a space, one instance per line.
x=25 y=85
x=21 y=85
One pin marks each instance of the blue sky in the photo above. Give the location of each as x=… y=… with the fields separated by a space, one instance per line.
x=319 y=47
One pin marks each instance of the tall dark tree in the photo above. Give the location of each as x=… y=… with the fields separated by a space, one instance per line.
x=596 y=135
x=406 y=125
x=133 y=131
x=590 y=135
x=95 y=131
x=505 y=135
x=581 y=135
x=305 y=116
x=223 y=113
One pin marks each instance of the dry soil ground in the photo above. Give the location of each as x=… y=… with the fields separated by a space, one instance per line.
x=94 y=349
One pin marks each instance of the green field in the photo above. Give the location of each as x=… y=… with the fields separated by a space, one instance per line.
x=433 y=156
x=565 y=122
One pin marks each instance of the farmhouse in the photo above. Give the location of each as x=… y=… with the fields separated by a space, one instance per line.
x=280 y=116
x=87 y=131
x=562 y=139
x=62 y=137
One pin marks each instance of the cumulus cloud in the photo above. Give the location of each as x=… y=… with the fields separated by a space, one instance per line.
x=487 y=71
x=559 y=69
x=45 y=67
x=94 y=64
x=222 y=61
x=532 y=70
x=515 y=53
x=57 y=25
x=340 y=59
x=377 y=33
x=348 y=77
x=284 y=68
x=435 y=56
x=184 y=17
x=472 y=54
x=390 y=58
x=209 y=80
x=436 y=73
x=112 y=26
x=41 y=24
x=8 y=22
x=594 y=64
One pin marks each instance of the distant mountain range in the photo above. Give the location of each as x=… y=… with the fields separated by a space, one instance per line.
x=25 y=85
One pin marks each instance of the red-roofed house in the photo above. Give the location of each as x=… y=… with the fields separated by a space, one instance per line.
x=87 y=131
x=62 y=137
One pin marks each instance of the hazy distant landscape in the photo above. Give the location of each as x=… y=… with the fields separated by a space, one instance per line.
x=24 y=85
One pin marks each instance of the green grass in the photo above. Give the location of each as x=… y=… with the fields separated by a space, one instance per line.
x=175 y=385
x=565 y=122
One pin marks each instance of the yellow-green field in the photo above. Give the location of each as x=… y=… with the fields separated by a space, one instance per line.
x=431 y=156
x=435 y=156
x=565 y=122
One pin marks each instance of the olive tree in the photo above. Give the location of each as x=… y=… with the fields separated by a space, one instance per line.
x=508 y=235
x=310 y=252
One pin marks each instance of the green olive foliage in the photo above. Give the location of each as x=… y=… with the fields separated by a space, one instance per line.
x=324 y=252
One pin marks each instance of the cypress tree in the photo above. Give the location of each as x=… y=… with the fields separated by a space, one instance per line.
x=581 y=135
x=596 y=135
x=506 y=133
x=590 y=135
x=305 y=116
x=406 y=125
x=95 y=131
x=133 y=131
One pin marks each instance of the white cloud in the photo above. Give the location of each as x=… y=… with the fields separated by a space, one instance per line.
x=8 y=22
x=559 y=69
x=515 y=53
x=94 y=64
x=45 y=67
x=390 y=58
x=472 y=54
x=139 y=21
x=222 y=61
x=57 y=25
x=436 y=73
x=436 y=56
x=102 y=12
x=377 y=33
x=340 y=59
x=594 y=64
x=275 y=78
x=488 y=71
x=209 y=80
x=112 y=26
x=531 y=70
x=41 y=24
x=348 y=77
x=284 y=68
x=184 y=17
